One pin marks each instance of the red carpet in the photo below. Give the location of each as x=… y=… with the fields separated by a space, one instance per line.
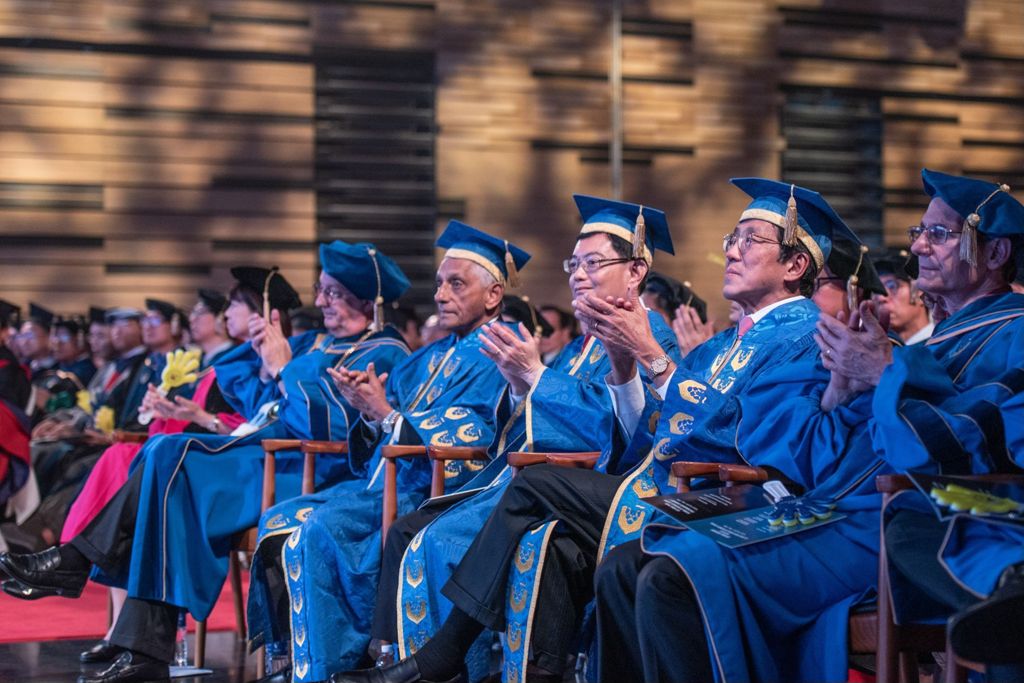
x=86 y=617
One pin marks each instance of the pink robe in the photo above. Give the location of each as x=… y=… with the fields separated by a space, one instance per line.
x=111 y=470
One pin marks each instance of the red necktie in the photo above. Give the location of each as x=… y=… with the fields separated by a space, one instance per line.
x=746 y=322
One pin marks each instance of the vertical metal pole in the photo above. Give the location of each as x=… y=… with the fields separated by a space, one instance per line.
x=615 y=83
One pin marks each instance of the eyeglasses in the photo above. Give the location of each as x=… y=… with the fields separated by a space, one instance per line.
x=331 y=294
x=745 y=241
x=824 y=280
x=935 y=234
x=591 y=264
x=153 y=321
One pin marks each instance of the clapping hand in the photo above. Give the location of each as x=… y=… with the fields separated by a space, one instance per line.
x=517 y=356
x=363 y=390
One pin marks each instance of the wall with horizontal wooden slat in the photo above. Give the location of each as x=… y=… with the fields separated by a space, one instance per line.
x=147 y=146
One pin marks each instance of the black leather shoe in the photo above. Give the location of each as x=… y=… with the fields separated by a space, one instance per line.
x=16 y=589
x=281 y=676
x=42 y=571
x=101 y=652
x=404 y=671
x=130 y=667
x=989 y=632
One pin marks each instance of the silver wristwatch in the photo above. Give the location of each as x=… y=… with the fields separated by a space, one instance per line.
x=657 y=366
x=387 y=425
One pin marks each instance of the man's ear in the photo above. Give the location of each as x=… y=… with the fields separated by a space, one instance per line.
x=997 y=252
x=798 y=265
x=638 y=270
x=495 y=293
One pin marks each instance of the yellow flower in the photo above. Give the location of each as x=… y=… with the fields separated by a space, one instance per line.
x=180 y=369
x=84 y=401
x=105 y=419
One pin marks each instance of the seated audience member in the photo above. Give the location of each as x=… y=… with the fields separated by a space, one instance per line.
x=70 y=350
x=431 y=330
x=318 y=611
x=665 y=295
x=306 y=319
x=10 y=321
x=761 y=609
x=166 y=535
x=15 y=460
x=771 y=266
x=564 y=407
x=34 y=342
x=564 y=328
x=405 y=319
x=958 y=417
x=908 y=315
x=849 y=277
x=98 y=339
x=518 y=310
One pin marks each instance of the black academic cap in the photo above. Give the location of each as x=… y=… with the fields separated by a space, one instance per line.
x=676 y=294
x=40 y=315
x=898 y=262
x=281 y=294
x=10 y=314
x=522 y=311
x=164 y=308
x=850 y=257
x=72 y=323
x=213 y=300
x=97 y=315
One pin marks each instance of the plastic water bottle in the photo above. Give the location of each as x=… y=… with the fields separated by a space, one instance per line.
x=181 y=642
x=387 y=655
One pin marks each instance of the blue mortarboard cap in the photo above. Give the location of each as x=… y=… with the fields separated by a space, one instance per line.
x=216 y=302
x=645 y=227
x=122 y=313
x=985 y=207
x=815 y=220
x=364 y=270
x=276 y=291
x=40 y=316
x=499 y=257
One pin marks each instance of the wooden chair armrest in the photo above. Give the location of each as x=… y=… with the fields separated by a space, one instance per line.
x=695 y=469
x=457 y=453
x=583 y=460
x=275 y=445
x=121 y=436
x=522 y=459
x=394 y=452
x=741 y=473
x=892 y=483
x=336 y=447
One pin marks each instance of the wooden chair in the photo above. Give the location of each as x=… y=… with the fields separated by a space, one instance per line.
x=246 y=542
x=438 y=456
x=122 y=436
x=584 y=460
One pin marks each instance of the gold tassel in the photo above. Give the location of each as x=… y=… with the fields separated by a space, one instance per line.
x=969 y=238
x=266 y=292
x=537 y=329
x=689 y=287
x=378 y=315
x=639 y=234
x=792 y=221
x=853 y=282
x=378 y=303
x=510 y=267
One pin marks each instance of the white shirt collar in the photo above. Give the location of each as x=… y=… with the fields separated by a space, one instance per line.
x=921 y=335
x=765 y=310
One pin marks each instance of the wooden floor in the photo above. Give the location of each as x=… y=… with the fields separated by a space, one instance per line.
x=56 y=661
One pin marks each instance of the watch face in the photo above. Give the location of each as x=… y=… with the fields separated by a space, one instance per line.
x=658 y=365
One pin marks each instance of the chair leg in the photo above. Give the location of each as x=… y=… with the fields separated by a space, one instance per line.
x=200 y=660
x=235 y=576
x=954 y=673
x=909 y=672
x=261 y=662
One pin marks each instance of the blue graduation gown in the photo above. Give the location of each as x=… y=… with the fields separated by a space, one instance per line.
x=199 y=491
x=567 y=409
x=446 y=394
x=779 y=610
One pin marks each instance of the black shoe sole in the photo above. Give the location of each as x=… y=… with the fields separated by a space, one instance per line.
x=990 y=631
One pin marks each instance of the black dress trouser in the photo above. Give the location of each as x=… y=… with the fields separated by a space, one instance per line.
x=648 y=620
x=144 y=626
x=580 y=500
